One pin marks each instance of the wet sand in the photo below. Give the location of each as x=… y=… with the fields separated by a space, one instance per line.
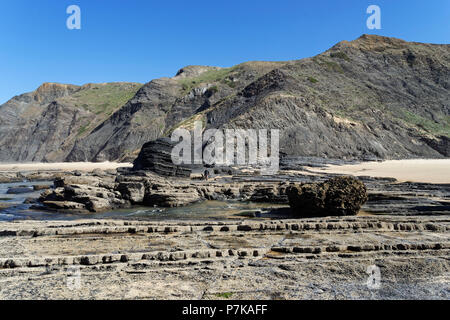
x=416 y=170
x=61 y=166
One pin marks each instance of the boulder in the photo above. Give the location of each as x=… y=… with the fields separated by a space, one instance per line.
x=168 y=195
x=156 y=156
x=30 y=200
x=341 y=196
x=97 y=204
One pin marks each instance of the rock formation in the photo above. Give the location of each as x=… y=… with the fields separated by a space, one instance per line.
x=100 y=193
x=340 y=196
x=156 y=156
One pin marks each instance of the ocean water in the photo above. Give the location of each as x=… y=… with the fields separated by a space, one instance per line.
x=208 y=210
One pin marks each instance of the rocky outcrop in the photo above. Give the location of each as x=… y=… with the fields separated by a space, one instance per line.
x=341 y=196
x=96 y=193
x=156 y=156
x=83 y=198
x=386 y=195
x=84 y=192
x=19 y=190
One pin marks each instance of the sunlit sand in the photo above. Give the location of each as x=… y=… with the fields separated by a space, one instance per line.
x=62 y=166
x=417 y=170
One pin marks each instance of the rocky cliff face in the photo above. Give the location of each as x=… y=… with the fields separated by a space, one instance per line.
x=43 y=125
x=161 y=105
x=374 y=97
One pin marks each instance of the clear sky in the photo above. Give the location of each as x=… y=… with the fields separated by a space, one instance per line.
x=139 y=40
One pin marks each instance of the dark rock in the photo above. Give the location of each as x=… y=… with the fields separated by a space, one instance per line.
x=341 y=196
x=30 y=201
x=19 y=190
x=133 y=191
x=58 y=183
x=156 y=156
x=441 y=144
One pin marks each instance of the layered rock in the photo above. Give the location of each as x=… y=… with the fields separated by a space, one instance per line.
x=317 y=258
x=84 y=193
x=156 y=156
x=340 y=196
x=132 y=191
x=44 y=125
x=83 y=197
x=147 y=188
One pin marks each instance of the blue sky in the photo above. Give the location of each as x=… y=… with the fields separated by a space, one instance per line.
x=139 y=40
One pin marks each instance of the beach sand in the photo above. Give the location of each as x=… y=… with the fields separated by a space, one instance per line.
x=61 y=166
x=416 y=170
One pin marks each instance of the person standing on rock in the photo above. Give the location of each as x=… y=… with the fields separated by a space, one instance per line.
x=206 y=175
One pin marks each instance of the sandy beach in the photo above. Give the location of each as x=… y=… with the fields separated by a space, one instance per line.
x=61 y=166
x=416 y=170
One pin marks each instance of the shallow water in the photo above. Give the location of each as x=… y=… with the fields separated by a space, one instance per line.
x=203 y=210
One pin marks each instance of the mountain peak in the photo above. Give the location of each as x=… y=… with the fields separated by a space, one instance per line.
x=193 y=71
x=49 y=91
x=48 y=86
x=373 y=42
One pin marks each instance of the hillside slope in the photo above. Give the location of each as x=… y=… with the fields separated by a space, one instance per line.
x=374 y=97
x=371 y=98
x=162 y=104
x=43 y=125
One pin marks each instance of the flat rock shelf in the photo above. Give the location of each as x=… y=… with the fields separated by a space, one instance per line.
x=314 y=258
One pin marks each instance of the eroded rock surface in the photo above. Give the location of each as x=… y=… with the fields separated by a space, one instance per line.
x=149 y=189
x=340 y=196
x=385 y=195
x=317 y=258
x=156 y=156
